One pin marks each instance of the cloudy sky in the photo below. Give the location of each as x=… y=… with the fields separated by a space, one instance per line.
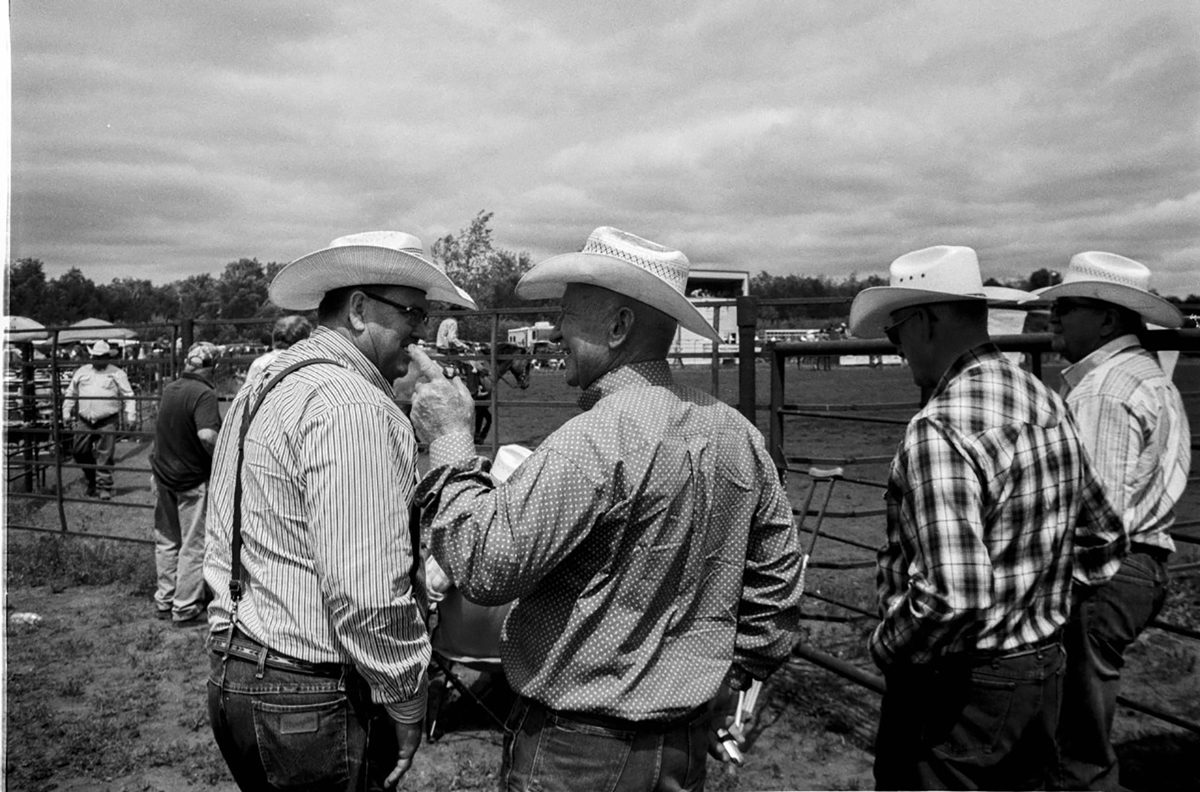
x=163 y=138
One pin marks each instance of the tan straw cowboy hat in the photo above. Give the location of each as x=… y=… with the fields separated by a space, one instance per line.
x=627 y=264
x=943 y=273
x=1117 y=280
x=390 y=258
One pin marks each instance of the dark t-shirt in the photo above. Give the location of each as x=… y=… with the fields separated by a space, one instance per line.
x=180 y=461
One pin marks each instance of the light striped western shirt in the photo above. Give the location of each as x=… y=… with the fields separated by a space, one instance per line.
x=329 y=474
x=1132 y=422
x=992 y=508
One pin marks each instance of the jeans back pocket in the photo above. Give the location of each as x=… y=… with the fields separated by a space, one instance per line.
x=303 y=744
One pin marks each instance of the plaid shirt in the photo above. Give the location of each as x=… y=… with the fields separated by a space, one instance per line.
x=1132 y=422
x=984 y=497
x=648 y=539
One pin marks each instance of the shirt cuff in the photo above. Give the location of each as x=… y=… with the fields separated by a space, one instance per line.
x=411 y=711
x=450 y=448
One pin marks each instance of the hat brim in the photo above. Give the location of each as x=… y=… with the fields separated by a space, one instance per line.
x=548 y=279
x=1151 y=307
x=872 y=308
x=301 y=285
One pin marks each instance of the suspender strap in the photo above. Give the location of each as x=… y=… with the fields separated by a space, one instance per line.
x=236 y=586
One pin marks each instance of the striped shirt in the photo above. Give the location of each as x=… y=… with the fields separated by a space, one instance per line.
x=987 y=500
x=100 y=392
x=1132 y=422
x=648 y=540
x=330 y=471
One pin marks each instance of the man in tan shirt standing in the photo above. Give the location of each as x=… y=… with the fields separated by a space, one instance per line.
x=95 y=397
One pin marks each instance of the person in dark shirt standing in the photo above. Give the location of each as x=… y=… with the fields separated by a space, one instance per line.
x=185 y=435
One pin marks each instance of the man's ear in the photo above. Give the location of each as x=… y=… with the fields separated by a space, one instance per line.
x=356 y=308
x=620 y=327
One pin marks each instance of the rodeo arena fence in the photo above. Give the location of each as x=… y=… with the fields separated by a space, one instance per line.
x=39 y=468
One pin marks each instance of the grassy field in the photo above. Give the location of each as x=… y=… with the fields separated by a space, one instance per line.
x=102 y=696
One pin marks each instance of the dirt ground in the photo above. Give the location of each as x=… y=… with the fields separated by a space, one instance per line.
x=101 y=696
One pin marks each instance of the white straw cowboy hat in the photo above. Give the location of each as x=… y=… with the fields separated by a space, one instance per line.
x=1117 y=280
x=627 y=264
x=101 y=349
x=943 y=273
x=390 y=258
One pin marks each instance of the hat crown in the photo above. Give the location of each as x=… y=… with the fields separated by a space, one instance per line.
x=1095 y=265
x=201 y=355
x=669 y=266
x=952 y=269
x=100 y=349
x=399 y=241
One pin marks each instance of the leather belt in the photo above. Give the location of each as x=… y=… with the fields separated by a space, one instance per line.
x=621 y=724
x=242 y=647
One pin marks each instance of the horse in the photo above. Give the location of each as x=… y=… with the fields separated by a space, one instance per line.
x=510 y=359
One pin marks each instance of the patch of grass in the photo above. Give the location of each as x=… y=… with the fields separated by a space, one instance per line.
x=63 y=561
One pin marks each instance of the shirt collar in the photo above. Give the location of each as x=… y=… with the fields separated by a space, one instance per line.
x=973 y=357
x=646 y=372
x=326 y=342
x=1072 y=375
x=199 y=378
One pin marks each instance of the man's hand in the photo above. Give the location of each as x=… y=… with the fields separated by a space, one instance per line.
x=408 y=739
x=724 y=736
x=437 y=582
x=440 y=405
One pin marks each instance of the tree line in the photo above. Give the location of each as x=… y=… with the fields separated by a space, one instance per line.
x=471 y=259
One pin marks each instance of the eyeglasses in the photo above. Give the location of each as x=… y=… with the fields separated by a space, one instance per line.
x=1065 y=305
x=892 y=330
x=418 y=315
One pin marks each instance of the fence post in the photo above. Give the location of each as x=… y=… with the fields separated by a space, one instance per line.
x=747 y=324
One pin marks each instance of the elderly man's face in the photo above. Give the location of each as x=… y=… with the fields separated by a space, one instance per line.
x=1077 y=324
x=396 y=317
x=583 y=333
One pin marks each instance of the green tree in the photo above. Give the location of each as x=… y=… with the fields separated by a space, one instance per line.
x=133 y=301
x=71 y=297
x=27 y=289
x=1040 y=279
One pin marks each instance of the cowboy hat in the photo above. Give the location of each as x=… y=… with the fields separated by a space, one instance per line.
x=1117 y=280
x=391 y=258
x=626 y=264
x=102 y=349
x=943 y=273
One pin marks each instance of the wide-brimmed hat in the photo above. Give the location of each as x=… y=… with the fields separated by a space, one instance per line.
x=391 y=258
x=1117 y=280
x=943 y=273
x=626 y=264
x=102 y=349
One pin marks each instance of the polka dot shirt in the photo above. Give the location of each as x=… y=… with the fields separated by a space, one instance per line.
x=648 y=543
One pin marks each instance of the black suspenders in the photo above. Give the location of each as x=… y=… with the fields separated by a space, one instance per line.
x=236 y=586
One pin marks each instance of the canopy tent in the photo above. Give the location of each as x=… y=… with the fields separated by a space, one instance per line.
x=21 y=329
x=85 y=331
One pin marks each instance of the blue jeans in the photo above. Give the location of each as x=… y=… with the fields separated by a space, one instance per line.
x=553 y=752
x=1103 y=625
x=281 y=730
x=971 y=722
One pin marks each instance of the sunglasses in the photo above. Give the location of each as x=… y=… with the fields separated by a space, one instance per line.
x=417 y=314
x=892 y=331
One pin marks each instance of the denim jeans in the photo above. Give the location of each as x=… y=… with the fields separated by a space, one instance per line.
x=971 y=723
x=1103 y=625
x=96 y=444
x=179 y=550
x=551 y=752
x=280 y=730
